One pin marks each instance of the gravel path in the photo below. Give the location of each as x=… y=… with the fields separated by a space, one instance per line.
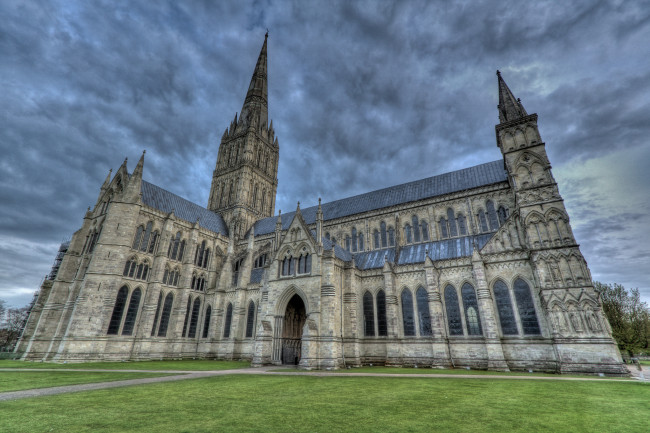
x=185 y=375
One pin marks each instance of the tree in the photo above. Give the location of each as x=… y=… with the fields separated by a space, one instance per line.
x=628 y=316
x=12 y=327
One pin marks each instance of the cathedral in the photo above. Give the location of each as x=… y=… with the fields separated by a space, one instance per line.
x=477 y=268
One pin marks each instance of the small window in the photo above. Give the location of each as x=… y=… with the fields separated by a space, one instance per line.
x=409 y=237
x=354 y=240
x=375 y=239
x=482 y=219
x=451 y=220
x=462 y=225
x=444 y=234
x=425 y=230
x=391 y=236
x=492 y=215
x=416 y=225
x=384 y=241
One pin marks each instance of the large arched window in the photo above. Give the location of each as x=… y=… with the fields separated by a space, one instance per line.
x=470 y=303
x=408 y=318
x=226 y=326
x=250 y=320
x=118 y=311
x=131 y=313
x=368 y=315
x=157 y=315
x=164 y=317
x=195 y=318
x=382 y=327
x=453 y=311
x=424 y=318
x=526 y=308
x=504 y=308
x=206 y=322
x=187 y=316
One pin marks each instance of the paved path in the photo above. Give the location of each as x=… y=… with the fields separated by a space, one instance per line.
x=193 y=374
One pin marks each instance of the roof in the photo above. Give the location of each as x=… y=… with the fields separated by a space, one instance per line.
x=467 y=178
x=165 y=201
x=438 y=250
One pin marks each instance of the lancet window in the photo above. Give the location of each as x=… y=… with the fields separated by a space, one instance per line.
x=176 y=248
x=133 y=269
x=117 y=316
x=206 y=322
x=201 y=256
x=250 y=320
x=166 y=313
x=228 y=321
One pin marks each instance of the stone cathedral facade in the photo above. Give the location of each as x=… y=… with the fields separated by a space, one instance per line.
x=473 y=268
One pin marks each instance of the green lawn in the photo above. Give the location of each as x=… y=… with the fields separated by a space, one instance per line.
x=198 y=365
x=408 y=370
x=241 y=403
x=19 y=380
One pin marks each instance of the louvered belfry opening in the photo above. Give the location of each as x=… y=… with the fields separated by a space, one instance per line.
x=294 y=320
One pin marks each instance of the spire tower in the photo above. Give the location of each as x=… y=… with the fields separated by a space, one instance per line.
x=244 y=182
x=510 y=108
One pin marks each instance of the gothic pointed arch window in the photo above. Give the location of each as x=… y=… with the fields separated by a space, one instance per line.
x=130 y=267
x=492 y=215
x=152 y=243
x=425 y=230
x=526 y=308
x=502 y=213
x=424 y=318
x=131 y=312
x=250 y=320
x=354 y=240
x=375 y=239
x=416 y=227
x=408 y=316
x=391 y=236
x=157 y=315
x=368 y=315
x=166 y=313
x=482 y=219
x=384 y=238
x=361 y=245
x=195 y=317
x=226 y=326
x=382 y=323
x=187 y=316
x=462 y=224
x=347 y=242
x=409 y=236
x=504 y=308
x=470 y=304
x=451 y=220
x=138 y=237
x=145 y=239
x=452 y=306
x=206 y=322
x=442 y=224
x=118 y=311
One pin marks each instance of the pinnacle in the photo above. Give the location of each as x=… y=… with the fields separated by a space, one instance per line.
x=510 y=108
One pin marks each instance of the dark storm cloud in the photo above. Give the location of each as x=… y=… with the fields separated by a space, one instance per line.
x=363 y=95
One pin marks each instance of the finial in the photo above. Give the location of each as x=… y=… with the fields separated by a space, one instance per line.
x=144 y=151
x=498 y=73
x=319 y=201
x=267 y=34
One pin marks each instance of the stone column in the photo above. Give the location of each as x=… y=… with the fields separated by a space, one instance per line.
x=440 y=346
x=496 y=359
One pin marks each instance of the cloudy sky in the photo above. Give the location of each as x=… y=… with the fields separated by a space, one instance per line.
x=363 y=95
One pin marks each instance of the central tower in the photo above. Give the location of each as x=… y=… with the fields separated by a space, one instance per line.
x=245 y=179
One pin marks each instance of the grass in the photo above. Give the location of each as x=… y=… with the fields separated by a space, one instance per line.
x=196 y=365
x=408 y=370
x=645 y=362
x=242 y=403
x=20 y=380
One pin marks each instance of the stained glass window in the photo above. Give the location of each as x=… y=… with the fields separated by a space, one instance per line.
x=382 y=328
x=453 y=311
x=472 y=318
x=526 y=308
x=368 y=315
x=118 y=311
x=504 y=308
x=131 y=313
x=424 y=318
x=407 y=313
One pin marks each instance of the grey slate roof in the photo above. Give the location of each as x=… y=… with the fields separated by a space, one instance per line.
x=438 y=250
x=467 y=178
x=163 y=200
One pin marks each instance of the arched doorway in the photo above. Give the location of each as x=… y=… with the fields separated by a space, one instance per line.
x=294 y=320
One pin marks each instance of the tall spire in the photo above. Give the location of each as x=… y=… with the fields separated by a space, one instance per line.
x=255 y=106
x=509 y=107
